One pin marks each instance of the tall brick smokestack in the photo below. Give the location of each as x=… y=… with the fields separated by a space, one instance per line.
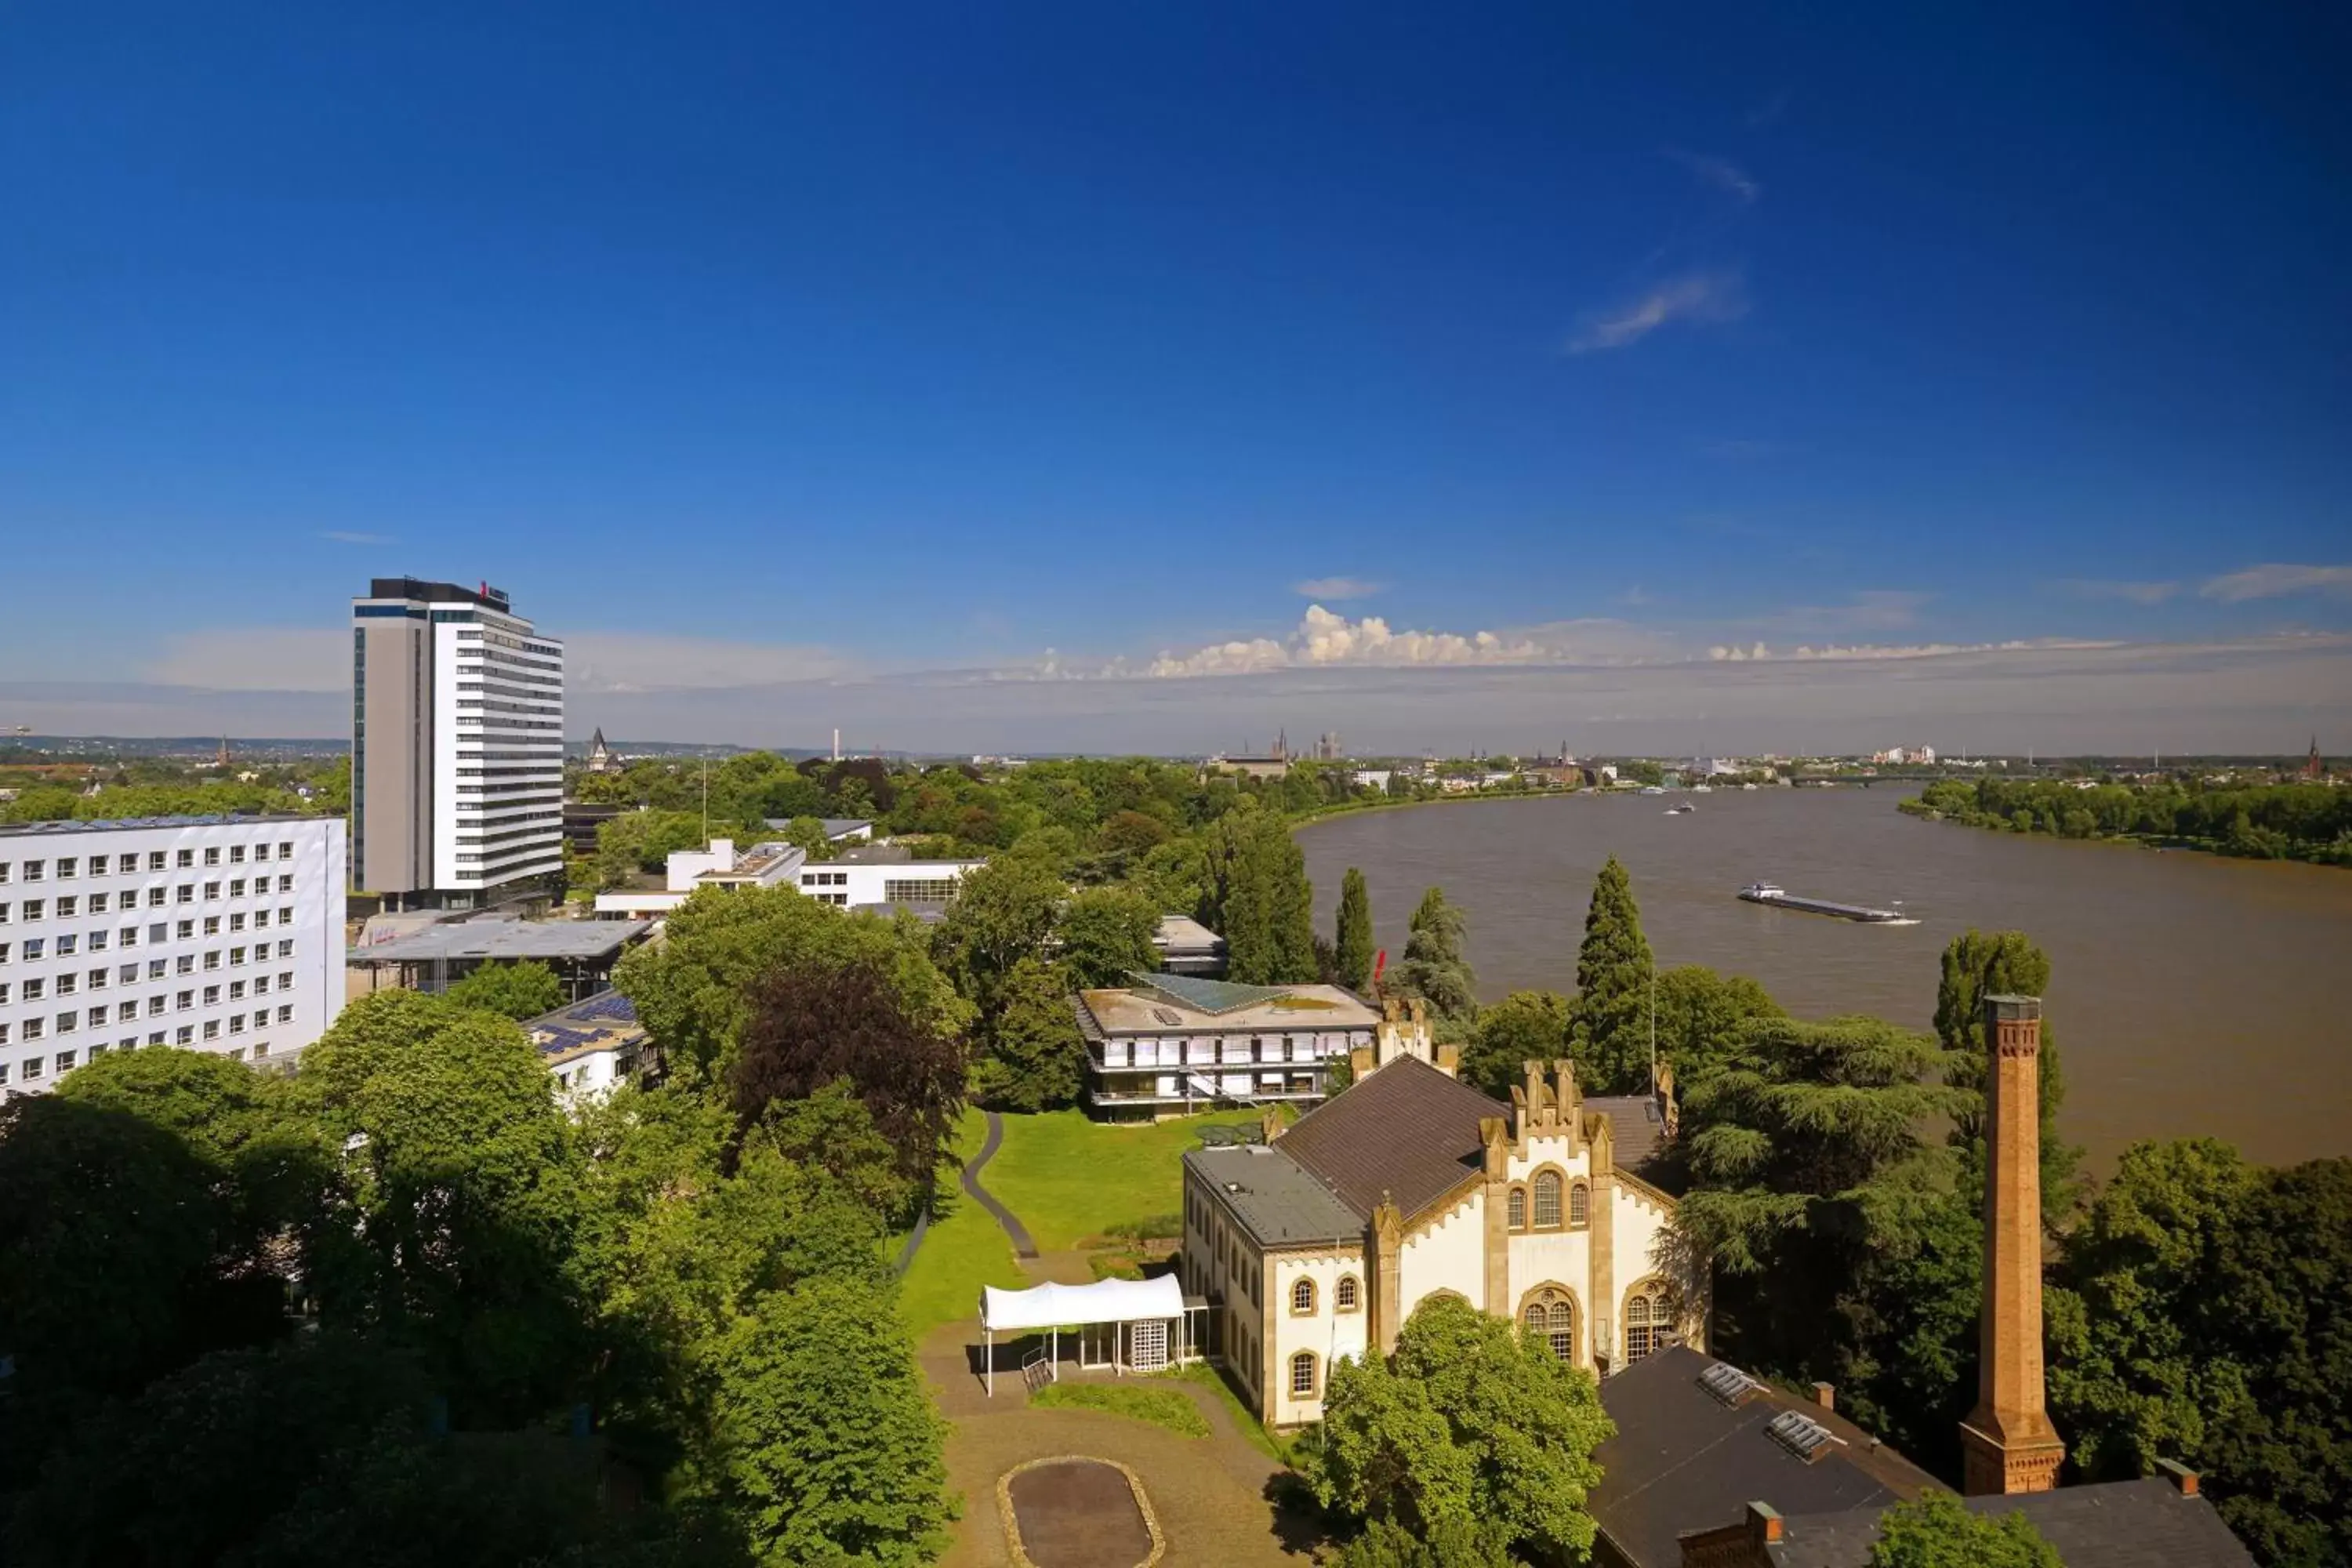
x=2007 y=1442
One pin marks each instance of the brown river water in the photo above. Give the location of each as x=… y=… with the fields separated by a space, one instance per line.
x=2189 y=995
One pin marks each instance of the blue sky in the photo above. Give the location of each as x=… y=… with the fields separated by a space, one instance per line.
x=806 y=355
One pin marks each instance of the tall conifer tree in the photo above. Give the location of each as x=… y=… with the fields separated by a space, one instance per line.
x=1355 y=936
x=1612 y=989
x=1434 y=969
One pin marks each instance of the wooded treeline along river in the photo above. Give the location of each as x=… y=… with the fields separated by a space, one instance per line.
x=2189 y=993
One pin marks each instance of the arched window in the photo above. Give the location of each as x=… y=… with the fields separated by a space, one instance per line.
x=1519 y=1208
x=1344 y=1294
x=1579 y=1206
x=1548 y=1314
x=1648 y=1323
x=1302 y=1375
x=1548 y=1201
x=1302 y=1298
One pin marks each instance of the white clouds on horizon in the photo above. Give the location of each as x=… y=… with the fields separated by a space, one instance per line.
x=1698 y=298
x=2273 y=580
x=311 y=659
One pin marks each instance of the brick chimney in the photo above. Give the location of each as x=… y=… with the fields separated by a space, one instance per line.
x=2007 y=1442
x=1825 y=1396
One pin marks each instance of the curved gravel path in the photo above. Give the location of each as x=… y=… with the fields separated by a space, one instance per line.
x=1021 y=1245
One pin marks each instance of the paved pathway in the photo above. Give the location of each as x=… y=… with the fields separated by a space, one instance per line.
x=1021 y=1245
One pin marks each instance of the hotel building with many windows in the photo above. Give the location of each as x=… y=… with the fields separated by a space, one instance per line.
x=217 y=933
x=457 y=747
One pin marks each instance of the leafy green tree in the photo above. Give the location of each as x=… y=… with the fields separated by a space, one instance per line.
x=1353 y=946
x=1435 y=969
x=1260 y=900
x=1469 y=1421
x=831 y=1132
x=1036 y=1057
x=2279 y=1309
x=1822 y=1205
x=2130 y=1382
x=1133 y=832
x=1456 y=1543
x=1703 y=1016
x=1107 y=934
x=1525 y=1027
x=1936 y=1531
x=811 y=1025
x=693 y=989
x=1612 y=988
x=1976 y=965
x=1003 y=912
x=463 y=1185
x=827 y=1442
x=518 y=991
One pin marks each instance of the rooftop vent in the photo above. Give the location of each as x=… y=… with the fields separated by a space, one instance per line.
x=1168 y=1015
x=1728 y=1383
x=1801 y=1434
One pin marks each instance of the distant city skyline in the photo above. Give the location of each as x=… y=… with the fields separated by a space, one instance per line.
x=1684 y=381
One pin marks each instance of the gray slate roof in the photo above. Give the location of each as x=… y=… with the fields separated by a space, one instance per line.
x=2146 y=1524
x=505 y=939
x=1682 y=1460
x=1407 y=1130
x=1637 y=1131
x=1276 y=1202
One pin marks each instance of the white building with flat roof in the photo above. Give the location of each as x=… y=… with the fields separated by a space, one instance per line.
x=217 y=933
x=882 y=874
x=760 y=866
x=456 y=746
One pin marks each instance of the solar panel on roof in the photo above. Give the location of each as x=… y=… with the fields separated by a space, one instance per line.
x=1212 y=996
x=1801 y=1434
x=1168 y=1015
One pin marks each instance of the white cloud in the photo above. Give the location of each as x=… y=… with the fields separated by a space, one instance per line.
x=1325 y=639
x=2138 y=593
x=1335 y=588
x=342 y=537
x=1721 y=173
x=1759 y=653
x=1695 y=296
x=2273 y=580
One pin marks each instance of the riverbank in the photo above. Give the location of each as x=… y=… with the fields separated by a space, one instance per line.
x=2307 y=821
x=2190 y=993
x=2337 y=855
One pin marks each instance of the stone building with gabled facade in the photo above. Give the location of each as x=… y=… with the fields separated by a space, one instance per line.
x=1316 y=1245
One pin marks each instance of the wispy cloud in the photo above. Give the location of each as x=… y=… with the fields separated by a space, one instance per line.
x=1696 y=297
x=340 y=537
x=2275 y=580
x=1720 y=174
x=306 y=659
x=1760 y=653
x=2138 y=593
x=1871 y=610
x=1335 y=588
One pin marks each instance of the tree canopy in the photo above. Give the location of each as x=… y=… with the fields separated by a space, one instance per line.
x=1468 y=1422
x=1352 y=942
x=1525 y=1027
x=518 y=991
x=1435 y=968
x=1937 y=1532
x=1259 y=899
x=1612 y=988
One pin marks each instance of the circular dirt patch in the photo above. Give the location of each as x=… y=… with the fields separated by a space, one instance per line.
x=1077 y=1513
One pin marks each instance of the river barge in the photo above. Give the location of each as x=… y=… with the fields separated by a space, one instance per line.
x=1779 y=898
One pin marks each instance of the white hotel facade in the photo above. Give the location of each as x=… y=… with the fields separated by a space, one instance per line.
x=216 y=933
x=457 y=747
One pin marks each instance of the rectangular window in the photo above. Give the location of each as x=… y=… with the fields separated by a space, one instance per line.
x=37 y=908
x=65 y=984
x=186 y=964
x=127 y=937
x=36 y=870
x=212 y=855
x=154 y=860
x=183 y=930
x=95 y=1017
x=65 y=1061
x=125 y=1011
x=212 y=925
x=98 y=903
x=155 y=1007
x=285 y=1014
x=68 y=907
x=285 y=884
x=126 y=865
x=237 y=1023
x=35 y=990
x=187 y=893
x=67 y=1022
x=185 y=859
x=34 y=948
x=155 y=969
x=212 y=996
x=260 y=984
x=236 y=923
x=236 y=990
x=128 y=974
x=98 y=979
x=235 y=956
x=5 y=989
x=212 y=959
x=212 y=891
x=183 y=1001
x=236 y=888
x=156 y=897
x=4 y=914
x=68 y=867
x=285 y=950
x=236 y=854
x=211 y=1029
x=97 y=941
x=183 y=1034
x=286 y=851
x=67 y=943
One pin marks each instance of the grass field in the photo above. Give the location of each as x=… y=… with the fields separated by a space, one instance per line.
x=1069 y=1178
x=966 y=1249
x=1154 y=1406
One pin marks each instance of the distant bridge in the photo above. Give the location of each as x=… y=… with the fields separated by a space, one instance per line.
x=1866 y=780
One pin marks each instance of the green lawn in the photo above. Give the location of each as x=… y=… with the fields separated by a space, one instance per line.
x=966 y=1249
x=1243 y=1418
x=1155 y=1406
x=1069 y=1178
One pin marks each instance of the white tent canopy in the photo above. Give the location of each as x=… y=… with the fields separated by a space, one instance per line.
x=1140 y=1311
x=1059 y=1306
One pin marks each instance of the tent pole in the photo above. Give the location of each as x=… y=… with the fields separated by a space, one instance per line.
x=990 y=1359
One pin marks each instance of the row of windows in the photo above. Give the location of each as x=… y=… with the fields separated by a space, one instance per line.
x=1548 y=1187
x=68 y=984
x=73 y=943
x=73 y=906
x=31 y=1029
x=31 y=1070
x=825 y=878
x=128 y=864
x=1347 y=1296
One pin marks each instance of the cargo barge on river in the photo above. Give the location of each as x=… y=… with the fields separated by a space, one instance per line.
x=1779 y=898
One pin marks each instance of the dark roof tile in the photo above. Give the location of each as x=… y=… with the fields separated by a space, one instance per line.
x=1407 y=1130
x=2146 y=1524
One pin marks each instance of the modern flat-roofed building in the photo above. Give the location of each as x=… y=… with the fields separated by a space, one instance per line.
x=457 y=747
x=760 y=866
x=886 y=876
x=1165 y=1045
x=218 y=933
